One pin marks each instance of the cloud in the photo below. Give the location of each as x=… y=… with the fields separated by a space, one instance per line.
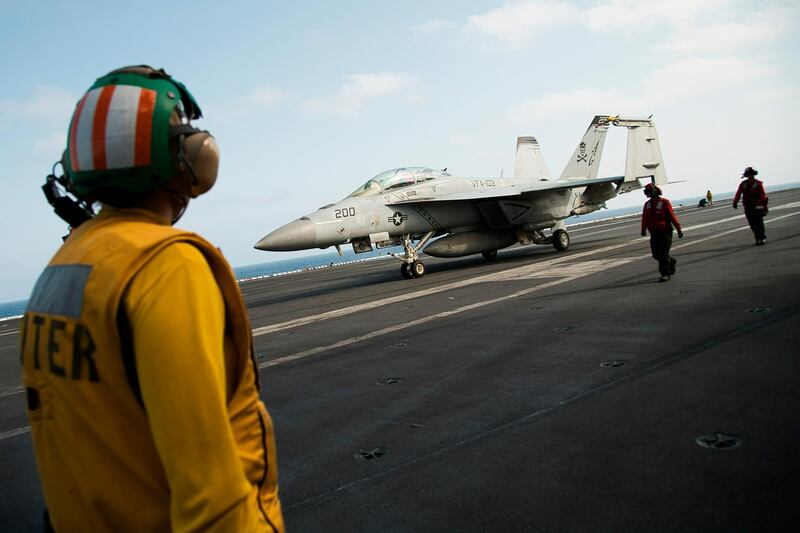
x=641 y=15
x=687 y=78
x=358 y=89
x=688 y=27
x=52 y=145
x=779 y=94
x=588 y=101
x=463 y=138
x=265 y=96
x=43 y=101
x=750 y=30
x=699 y=76
x=433 y=26
x=517 y=24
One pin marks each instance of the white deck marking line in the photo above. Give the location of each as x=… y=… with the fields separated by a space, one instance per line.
x=9 y=333
x=630 y=218
x=14 y=432
x=734 y=230
x=11 y=391
x=604 y=230
x=633 y=217
x=577 y=273
x=391 y=329
x=505 y=274
x=495 y=276
x=543 y=265
x=591 y=268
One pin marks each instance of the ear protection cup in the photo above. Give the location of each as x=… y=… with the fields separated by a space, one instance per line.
x=200 y=153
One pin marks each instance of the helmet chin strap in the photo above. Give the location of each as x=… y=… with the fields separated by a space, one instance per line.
x=180 y=199
x=184 y=203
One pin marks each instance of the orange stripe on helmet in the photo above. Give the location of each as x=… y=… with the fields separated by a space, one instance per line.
x=99 y=127
x=144 y=125
x=73 y=134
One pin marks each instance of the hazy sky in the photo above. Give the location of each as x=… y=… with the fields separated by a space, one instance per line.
x=309 y=99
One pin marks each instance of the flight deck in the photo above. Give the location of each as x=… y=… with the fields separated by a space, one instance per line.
x=540 y=391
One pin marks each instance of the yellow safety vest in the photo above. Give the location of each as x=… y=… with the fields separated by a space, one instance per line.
x=96 y=456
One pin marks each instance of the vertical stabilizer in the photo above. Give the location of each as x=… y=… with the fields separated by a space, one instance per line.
x=643 y=159
x=529 y=163
x=585 y=162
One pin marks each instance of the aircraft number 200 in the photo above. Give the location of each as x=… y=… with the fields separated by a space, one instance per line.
x=344 y=213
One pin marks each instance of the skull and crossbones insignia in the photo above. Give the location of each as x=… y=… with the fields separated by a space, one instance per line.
x=582 y=155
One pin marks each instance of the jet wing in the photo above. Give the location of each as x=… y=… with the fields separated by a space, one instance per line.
x=506 y=191
x=568 y=184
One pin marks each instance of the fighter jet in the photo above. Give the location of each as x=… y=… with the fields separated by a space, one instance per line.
x=431 y=211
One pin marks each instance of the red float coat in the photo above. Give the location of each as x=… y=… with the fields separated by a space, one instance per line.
x=752 y=193
x=658 y=215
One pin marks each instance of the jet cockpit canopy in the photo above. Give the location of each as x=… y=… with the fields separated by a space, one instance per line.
x=397 y=178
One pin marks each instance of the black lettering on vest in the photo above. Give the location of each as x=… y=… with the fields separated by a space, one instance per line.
x=38 y=321
x=81 y=352
x=33 y=398
x=24 y=328
x=53 y=348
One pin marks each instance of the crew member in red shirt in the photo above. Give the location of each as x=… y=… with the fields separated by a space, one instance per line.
x=658 y=218
x=754 y=198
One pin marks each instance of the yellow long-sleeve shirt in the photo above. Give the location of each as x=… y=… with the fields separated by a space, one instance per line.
x=178 y=318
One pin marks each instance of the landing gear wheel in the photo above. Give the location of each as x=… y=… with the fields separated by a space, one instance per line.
x=405 y=271
x=560 y=240
x=490 y=255
x=417 y=269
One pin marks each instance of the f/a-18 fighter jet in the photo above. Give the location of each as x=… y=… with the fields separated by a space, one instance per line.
x=442 y=215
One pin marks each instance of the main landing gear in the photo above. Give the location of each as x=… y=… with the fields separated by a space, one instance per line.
x=412 y=267
x=560 y=240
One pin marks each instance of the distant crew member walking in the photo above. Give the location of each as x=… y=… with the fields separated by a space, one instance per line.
x=658 y=218
x=755 y=200
x=137 y=354
x=709 y=198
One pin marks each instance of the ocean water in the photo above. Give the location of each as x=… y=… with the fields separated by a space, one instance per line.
x=329 y=259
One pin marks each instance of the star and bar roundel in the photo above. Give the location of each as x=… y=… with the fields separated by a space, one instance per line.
x=398 y=218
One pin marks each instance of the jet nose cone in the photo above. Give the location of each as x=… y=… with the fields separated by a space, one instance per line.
x=297 y=235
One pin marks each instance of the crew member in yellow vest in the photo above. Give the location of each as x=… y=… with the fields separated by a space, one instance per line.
x=137 y=357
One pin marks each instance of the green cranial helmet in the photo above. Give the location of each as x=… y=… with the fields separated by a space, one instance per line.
x=121 y=132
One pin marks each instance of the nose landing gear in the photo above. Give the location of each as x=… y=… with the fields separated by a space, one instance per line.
x=412 y=267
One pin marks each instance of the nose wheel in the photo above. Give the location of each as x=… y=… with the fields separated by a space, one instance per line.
x=412 y=267
x=413 y=270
